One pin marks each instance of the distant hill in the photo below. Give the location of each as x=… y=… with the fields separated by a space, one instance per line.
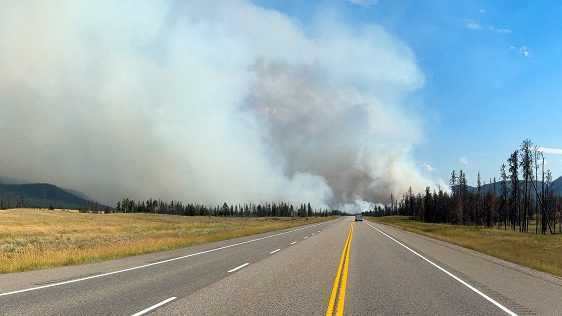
x=10 y=180
x=555 y=186
x=43 y=195
x=78 y=194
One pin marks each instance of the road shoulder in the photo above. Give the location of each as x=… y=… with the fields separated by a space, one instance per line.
x=525 y=290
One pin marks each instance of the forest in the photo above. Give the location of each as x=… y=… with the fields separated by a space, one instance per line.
x=276 y=209
x=521 y=199
x=49 y=196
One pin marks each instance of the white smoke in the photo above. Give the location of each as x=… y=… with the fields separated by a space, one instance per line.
x=204 y=101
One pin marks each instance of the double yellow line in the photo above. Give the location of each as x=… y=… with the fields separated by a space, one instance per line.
x=340 y=282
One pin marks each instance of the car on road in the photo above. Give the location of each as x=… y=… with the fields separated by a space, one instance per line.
x=358 y=218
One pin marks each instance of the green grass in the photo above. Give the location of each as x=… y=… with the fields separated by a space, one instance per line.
x=34 y=239
x=540 y=252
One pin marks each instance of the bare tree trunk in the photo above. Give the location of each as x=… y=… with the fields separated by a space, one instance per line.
x=537 y=200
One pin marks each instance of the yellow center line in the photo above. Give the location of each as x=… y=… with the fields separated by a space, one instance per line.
x=340 y=281
x=335 y=286
x=343 y=286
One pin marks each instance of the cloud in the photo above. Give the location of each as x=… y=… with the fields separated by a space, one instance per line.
x=198 y=101
x=522 y=50
x=473 y=25
x=476 y=26
x=364 y=3
x=463 y=161
x=551 y=151
x=499 y=30
x=428 y=167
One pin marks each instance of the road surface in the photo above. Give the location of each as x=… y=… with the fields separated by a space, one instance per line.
x=339 y=266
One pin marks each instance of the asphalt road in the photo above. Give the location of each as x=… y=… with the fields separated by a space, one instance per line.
x=382 y=271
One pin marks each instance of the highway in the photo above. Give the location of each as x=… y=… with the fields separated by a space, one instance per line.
x=333 y=268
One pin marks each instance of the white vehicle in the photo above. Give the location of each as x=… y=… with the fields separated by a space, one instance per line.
x=358 y=218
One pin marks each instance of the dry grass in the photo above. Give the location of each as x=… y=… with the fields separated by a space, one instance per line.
x=33 y=239
x=540 y=252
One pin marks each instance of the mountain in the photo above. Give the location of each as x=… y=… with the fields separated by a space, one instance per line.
x=78 y=194
x=43 y=195
x=10 y=180
x=555 y=186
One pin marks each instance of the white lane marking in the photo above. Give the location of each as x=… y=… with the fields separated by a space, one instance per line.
x=318 y=231
x=489 y=299
x=154 y=263
x=294 y=242
x=275 y=251
x=153 y=307
x=305 y=237
x=239 y=267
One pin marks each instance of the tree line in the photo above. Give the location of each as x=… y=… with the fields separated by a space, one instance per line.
x=522 y=195
x=156 y=206
x=7 y=204
x=276 y=209
x=21 y=202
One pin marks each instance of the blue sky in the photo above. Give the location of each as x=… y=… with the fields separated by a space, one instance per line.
x=492 y=71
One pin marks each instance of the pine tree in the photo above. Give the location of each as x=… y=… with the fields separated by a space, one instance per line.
x=513 y=162
x=526 y=165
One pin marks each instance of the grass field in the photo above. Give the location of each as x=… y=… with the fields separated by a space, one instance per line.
x=540 y=252
x=33 y=239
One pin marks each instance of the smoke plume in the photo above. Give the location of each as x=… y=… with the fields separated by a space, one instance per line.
x=205 y=101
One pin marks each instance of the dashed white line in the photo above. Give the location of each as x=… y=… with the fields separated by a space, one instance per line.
x=239 y=267
x=153 y=307
x=152 y=264
x=475 y=290
x=305 y=237
x=275 y=251
x=318 y=231
x=294 y=242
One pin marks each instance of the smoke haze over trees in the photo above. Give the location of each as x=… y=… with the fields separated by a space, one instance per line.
x=205 y=101
x=277 y=209
x=524 y=194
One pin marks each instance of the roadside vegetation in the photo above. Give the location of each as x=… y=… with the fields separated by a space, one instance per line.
x=540 y=252
x=32 y=239
x=525 y=199
x=279 y=209
x=517 y=218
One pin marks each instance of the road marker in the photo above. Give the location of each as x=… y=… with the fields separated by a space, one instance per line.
x=340 y=281
x=154 y=263
x=475 y=290
x=153 y=307
x=305 y=237
x=275 y=251
x=293 y=243
x=343 y=287
x=239 y=267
